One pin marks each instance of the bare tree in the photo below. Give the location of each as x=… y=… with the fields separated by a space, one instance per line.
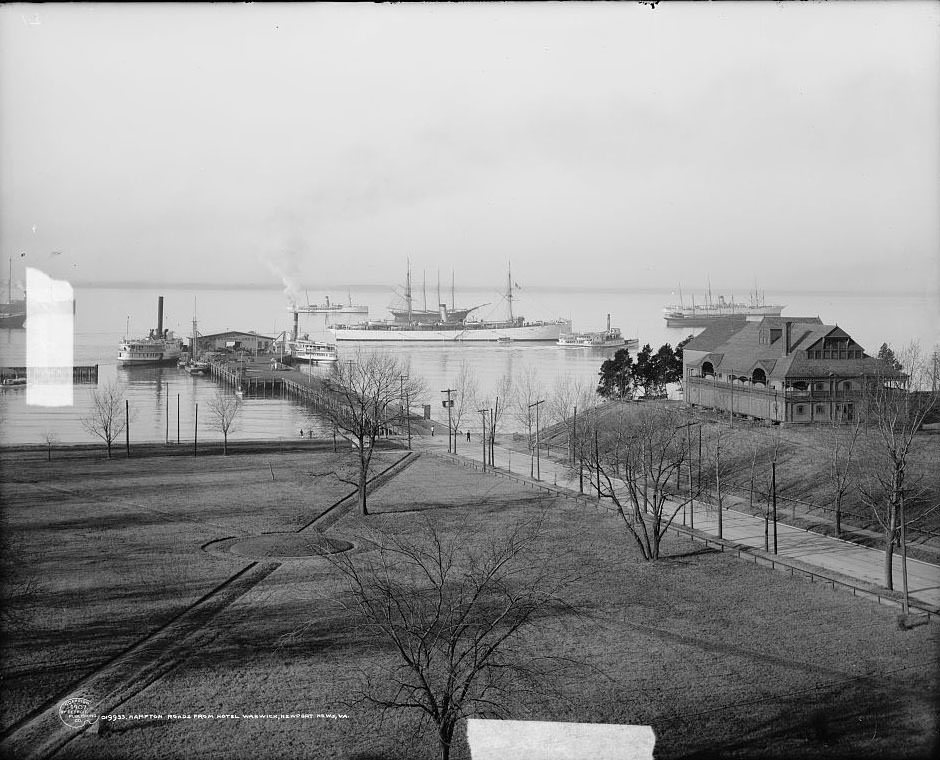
x=457 y=618
x=565 y=399
x=633 y=466
x=528 y=390
x=894 y=410
x=365 y=394
x=224 y=409
x=843 y=443
x=498 y=403
x=107 y=418
x=50 y=438
x=464 y=398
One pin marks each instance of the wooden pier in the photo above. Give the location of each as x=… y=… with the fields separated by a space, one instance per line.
x=80 y=374
x=260 y=380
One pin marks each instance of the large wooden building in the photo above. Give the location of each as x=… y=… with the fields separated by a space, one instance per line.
x=235 y=340
x=780 y=369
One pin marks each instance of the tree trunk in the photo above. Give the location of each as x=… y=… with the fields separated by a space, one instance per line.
x=109 y=448
x=839 y=515
x=889 y=549
x=363 y=473
x=224 y=443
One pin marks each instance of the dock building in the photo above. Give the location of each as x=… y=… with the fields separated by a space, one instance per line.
x=781 y=369
x=234 y=340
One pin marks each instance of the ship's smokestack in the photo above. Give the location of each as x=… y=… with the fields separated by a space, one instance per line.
x=608 y=323
x=443 y=309
x=786 y=345
x=296 y=325
x=160 y=315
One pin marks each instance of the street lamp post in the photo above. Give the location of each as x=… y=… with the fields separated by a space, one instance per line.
x=449 y=404
x=483 y=435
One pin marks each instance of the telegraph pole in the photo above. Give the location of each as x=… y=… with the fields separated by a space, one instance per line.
x=483 y=435
x=407 y=419
x=127 y=426
x=773 y=488
x=449 y=404
x=538 y=468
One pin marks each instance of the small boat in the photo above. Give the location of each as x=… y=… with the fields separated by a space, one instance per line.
x=609 y=338
x=504 y=339
x=313 y=351
x=159 y=347
x=198 y=368
x=14 y=382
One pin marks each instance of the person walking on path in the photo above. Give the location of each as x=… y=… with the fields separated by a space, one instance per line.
x=432 y=431
x=468 y=436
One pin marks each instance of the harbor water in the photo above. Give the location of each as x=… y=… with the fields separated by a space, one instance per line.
x=163 y=400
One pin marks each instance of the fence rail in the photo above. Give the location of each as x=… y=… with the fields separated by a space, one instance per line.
x=757 y=556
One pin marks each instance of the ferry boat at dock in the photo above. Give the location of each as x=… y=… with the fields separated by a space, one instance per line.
x=313 y=351
x=609 y=338
x=701 y=316
x=159 y=347
x=447 y=327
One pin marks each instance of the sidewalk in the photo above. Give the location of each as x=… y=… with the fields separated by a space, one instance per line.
x=825 y=552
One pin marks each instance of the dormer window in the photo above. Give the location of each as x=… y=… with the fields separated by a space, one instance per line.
x=775 y=334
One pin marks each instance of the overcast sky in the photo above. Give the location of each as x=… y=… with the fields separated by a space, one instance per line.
x=791 y=144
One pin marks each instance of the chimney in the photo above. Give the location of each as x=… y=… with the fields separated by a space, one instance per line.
x=296 y=326
x=608 y=323
x=786 y=347
x=160 y=316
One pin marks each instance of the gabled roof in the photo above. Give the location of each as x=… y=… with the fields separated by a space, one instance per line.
x=736 y=348
x=717 y=332
x=234 y=332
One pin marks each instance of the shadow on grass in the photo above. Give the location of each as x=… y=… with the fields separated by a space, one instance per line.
x=843 y=720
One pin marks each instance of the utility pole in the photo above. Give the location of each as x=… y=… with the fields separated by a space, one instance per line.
x=449 y=404
x=538 y=468
x=167 y=414
x=483 y=435
x=407 y=419
x=773 y=489
x=127 y=426
x=401 y=402
x=531 y=452
x=177 y=419
x=905 y=608
x=718 y=481
x=195 y=428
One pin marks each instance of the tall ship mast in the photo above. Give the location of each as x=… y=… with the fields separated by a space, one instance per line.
x=12 y=313
x=453 y=326
x=680 y=315
x=410 y=315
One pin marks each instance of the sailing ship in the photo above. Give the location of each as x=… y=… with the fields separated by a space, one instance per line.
x=159 y=347
x=609 y=338
x=447 y=327
x=12 y=313
x=411 y=315
x=700 y=316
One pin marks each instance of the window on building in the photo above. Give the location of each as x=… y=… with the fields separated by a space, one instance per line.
x=820 y=409
x=775 y=334
x=800 y=409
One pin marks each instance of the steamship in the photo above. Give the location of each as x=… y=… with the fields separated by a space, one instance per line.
x=610 y=338
x=680 y=315
x=159 y=347
x=451 y=326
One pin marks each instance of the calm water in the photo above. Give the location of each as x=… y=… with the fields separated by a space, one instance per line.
x=159 y=396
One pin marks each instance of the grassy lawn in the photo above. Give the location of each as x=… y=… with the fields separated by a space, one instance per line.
x=716 y=654
x=112 y=550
